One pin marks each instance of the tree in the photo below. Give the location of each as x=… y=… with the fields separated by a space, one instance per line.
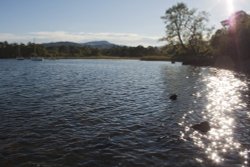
x=186 y=28
x=232 y=41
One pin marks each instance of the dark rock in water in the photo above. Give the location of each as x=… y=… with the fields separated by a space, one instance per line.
x=173 y=97
x=202 y=127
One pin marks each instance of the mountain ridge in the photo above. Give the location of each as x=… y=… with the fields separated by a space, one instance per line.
x=102 y=44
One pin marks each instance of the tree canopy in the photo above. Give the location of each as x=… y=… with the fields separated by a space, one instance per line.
x=186 y=28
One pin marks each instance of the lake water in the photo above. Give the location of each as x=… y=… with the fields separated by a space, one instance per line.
x=105 y=113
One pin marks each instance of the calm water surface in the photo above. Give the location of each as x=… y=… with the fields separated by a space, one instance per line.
x=109 y=113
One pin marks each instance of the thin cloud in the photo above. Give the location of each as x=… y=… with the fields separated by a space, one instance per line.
x=128 y=39
x=13 y=37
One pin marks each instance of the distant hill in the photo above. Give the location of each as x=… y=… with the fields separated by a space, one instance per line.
x=57 y=44
x=99 y=44
x=93 y=44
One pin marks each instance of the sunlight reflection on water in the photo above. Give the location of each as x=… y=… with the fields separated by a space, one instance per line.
x=223 y=101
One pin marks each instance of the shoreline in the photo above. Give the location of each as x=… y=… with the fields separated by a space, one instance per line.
x=191 y=62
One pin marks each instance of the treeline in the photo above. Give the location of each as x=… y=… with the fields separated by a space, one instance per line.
x=192 y=41
x=13 y=50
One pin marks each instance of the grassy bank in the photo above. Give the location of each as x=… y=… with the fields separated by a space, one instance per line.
x=156 y=58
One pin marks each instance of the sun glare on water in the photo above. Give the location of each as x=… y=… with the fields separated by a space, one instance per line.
x=223 y=106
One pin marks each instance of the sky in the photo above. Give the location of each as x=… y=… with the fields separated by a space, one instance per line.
x=123 y=22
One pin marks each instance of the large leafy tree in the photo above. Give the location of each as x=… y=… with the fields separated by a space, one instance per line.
x=187 y=29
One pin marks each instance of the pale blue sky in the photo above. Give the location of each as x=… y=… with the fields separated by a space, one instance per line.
x=129 y=22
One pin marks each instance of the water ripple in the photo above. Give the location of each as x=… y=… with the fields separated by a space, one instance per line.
x=224 y=109
x=118 y=113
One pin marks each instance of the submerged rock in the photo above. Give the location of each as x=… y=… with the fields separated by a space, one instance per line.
x=202 y=127
x=173 y=97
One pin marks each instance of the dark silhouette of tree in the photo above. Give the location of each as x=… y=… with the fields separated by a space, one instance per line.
x=186 y=28
x=232 y=41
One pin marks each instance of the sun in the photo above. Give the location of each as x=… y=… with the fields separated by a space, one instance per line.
x=230 y=6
